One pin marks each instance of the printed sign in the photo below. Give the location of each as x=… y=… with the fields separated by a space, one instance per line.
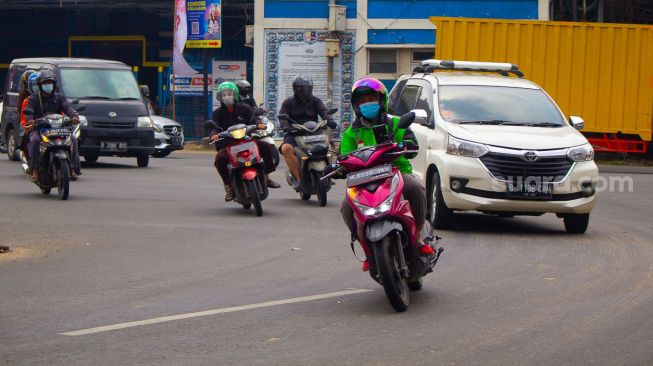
x=190 y=85
x=204 y=18
x=227 y=71
x=289 y=53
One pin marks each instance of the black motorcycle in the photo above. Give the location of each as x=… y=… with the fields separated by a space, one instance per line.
x=55 y=148
x=313 y=152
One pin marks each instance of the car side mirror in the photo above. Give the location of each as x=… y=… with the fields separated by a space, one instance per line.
x=209 y=125
x=145 y=90
x=421 y=117
x=577 y=122
x=331 y=111
x=80 y=108
x=259 y=112
x=406 y=120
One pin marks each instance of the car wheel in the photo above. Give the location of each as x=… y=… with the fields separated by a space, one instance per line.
x=437 y=211
x=12 y=144
x=576 y=224
x=143 y=160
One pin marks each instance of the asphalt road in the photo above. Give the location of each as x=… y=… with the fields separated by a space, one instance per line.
x=139 y=244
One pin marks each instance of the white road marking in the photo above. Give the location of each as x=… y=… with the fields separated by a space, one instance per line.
x=108 y=328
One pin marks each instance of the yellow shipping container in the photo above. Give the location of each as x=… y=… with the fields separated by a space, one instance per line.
x=601 y=72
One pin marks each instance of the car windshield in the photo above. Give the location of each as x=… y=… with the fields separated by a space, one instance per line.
x=99 y=84
x=475 y=104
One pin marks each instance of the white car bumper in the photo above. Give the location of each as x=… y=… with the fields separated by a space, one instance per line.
x=482 y=192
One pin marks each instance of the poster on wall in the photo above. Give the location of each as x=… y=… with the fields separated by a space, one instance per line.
x=204 y=19
x=188 y=80
x=296 y=52
x=227 y=71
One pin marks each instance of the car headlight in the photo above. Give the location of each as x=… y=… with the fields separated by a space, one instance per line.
x=82 y=120
x=581 y=153
x=465 y=148
x=145 y=121
x=381 y=209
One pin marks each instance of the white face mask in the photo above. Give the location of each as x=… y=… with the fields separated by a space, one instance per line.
x=228 y=100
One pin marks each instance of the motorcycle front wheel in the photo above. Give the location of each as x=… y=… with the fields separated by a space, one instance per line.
x=387 y=264
x=256 y=198
x=322 y=188
x=62 y=177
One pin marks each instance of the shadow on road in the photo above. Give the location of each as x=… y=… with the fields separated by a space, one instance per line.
x=479 y=223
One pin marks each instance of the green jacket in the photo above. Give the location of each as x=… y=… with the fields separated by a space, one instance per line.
x=357 y=133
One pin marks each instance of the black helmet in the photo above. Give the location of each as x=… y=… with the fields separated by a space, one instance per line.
x=302 y=86
x=45 y=77
x=244 y=88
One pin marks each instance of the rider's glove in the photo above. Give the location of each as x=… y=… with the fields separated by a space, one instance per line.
x=75 y=120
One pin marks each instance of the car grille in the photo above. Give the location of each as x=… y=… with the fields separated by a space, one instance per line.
x=513 y=167
x=117 y=125
x=170 y=130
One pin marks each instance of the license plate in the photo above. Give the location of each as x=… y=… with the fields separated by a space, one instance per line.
x=58 y=132
x=242 y=147
x=530 y=191
x=369 y=175
x=314 y=138
x=175 y=140
x=113 y=145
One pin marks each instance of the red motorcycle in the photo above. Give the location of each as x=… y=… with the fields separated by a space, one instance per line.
x=385 y=225
x=246 y=171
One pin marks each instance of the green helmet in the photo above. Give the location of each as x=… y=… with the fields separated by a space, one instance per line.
x=228 y=85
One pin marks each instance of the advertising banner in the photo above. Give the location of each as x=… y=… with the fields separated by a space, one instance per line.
x=295 y=52
x=190 y=85
x=204 y=19
x=227 y=71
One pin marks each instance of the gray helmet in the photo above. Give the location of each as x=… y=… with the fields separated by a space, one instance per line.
x=302 y=86
x=244 y=87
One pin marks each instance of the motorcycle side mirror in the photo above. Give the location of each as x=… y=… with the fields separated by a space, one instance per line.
x=251 y=129
x=75 y=101
x=406 y=120
x=331 y=111
x=259 y=112
x=145 y=90
x=209 y=125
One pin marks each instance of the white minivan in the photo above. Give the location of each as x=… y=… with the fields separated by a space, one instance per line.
x=495 y=144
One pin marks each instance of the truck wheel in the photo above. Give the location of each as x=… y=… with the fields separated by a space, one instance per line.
x=437 y=211
x=12 y=144
x=143 y=160
x=576 y=224
x=90 y=158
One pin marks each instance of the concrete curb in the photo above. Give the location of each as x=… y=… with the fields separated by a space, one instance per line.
x=621 y=169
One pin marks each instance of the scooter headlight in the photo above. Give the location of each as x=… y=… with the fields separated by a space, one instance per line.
x=239 y=133
x=381 y=209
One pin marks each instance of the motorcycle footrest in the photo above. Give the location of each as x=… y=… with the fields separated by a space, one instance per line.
x=434 y=261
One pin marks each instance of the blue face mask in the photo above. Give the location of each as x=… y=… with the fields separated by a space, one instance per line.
x=47 y=88
x=370 y=110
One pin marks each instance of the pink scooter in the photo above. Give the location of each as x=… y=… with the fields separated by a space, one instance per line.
x=385 y=225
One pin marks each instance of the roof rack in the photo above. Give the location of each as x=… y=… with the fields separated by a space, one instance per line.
x=499 y=67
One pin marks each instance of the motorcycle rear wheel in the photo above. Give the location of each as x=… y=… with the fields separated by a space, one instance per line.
x=62 y=176
x=256 y=199
x=387 y=264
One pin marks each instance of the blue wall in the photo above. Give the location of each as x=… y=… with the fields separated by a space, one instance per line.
x=400 y=36
x=305 y=8
x=421 y=9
